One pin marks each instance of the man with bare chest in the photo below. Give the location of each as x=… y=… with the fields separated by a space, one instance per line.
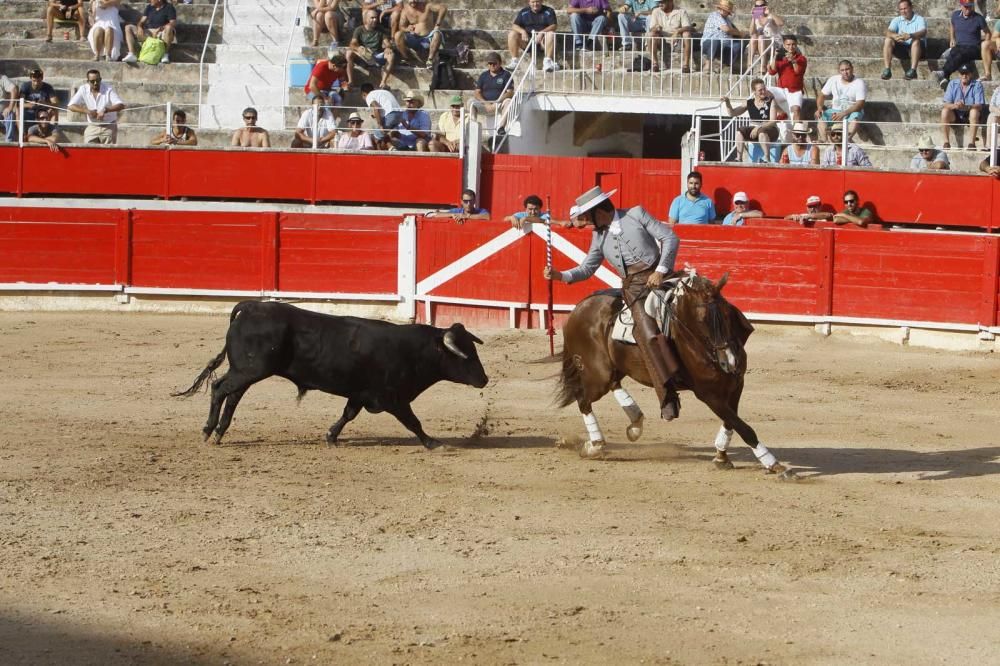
x=420 y=28
x=251 y=136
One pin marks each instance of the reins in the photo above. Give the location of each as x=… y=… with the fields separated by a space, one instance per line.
x=714 y=348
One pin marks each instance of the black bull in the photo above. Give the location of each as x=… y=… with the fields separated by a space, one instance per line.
x=376 y=365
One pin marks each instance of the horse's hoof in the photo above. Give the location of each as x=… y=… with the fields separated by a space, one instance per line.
x=723 y=464
x=788 y=475
x=634 y=431
x=592 y=450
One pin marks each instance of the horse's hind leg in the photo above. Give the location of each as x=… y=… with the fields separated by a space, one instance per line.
x=594 y=446
x=632 y=411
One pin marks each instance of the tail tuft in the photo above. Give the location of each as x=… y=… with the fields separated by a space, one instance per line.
x=207 y=374
x=570 y=380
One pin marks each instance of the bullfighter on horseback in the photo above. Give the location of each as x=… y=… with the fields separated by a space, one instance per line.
x=627 y=239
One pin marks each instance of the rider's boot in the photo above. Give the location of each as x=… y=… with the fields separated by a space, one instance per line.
x=660 y=362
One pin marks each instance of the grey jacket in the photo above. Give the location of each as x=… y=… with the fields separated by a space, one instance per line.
x=635 y=242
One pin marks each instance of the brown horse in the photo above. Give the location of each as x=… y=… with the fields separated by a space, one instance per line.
x=708 y=334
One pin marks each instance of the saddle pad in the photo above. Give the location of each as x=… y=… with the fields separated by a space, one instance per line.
x=657 y=306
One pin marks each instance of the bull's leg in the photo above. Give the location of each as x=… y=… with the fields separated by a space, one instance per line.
x=218 y=396
x=731 y=421
x=351 y=410
x=232 y=400
x=632 y=411
x=406 y=416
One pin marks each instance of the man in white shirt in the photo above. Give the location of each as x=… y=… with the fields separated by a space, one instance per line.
x=101 y=104
x=386 y=111
x=326 y=126
x=847 y=100
x=8 y=111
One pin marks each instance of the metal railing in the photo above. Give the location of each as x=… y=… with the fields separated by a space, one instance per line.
x=296 y=25
x=201 y=58
x=512 y=97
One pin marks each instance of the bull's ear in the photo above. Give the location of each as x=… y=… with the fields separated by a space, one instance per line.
x=722 y=281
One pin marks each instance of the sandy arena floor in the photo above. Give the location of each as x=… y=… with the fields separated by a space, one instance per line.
x=124 y=539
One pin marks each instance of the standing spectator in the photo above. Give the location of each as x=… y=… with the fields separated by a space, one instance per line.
x=66 y=11
x=814 y=212
x=929 y=157
x=251 y=136
x=325 y=17
x=664 y=22
x=537 y=18
x=763 y=127
x=106 y=30
x=328 y=77
x=355 y=138
x=790 y=69
x=741 y=211
x=448 y=137
x=991 y=49
x=44 y=132
x=905 y=39
x=179 y=135
x=37 y=95
x=800 y=151
x=420 y=27
x=492 y=93
x=413 y=129
x=8 y=114
x=532 y=213
x=326 y=126
x=386 y=111
x=159 y=20
x=966 y=33
x=765 y=33
x=371 y=45
x=853 y=212
x=633 y=16
x=101 y=104
x=588 y=17
x=832 y=155
x=692 y=207
x=847 y=100
x=721 y=38
x=963 y=102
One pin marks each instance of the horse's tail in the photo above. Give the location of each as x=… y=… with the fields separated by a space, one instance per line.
x=207 y=373
x=570 y=380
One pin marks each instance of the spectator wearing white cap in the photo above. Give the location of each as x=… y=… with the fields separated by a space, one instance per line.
x=413 y=129
x=929 y=157
x=326 y=127
x=355 y=138
x=814 y=212
x=800 y=151
x=741 y=211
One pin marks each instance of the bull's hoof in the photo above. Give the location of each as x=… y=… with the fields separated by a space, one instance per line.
x=218 y=439
x=592 y=450
x=206 y=433
x=634 y=431
x=331 y=440
x=722 y=463
x=430 y=443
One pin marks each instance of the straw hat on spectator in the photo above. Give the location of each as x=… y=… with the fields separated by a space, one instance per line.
x=800 y=128
x=414 y=96
x=725 y=5
x=925 y=143
x=355 y=116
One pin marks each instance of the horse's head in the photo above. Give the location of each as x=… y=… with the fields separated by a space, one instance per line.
x=705 y=315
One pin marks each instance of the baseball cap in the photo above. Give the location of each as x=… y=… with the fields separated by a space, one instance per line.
x=740 y=197
x=813 y=201
x=493 y=56
x=456 y=100
x=965 y=69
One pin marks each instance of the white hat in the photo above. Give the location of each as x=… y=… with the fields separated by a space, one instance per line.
x=740 y=196
x=589 y=199
x=800 y=128
x=813 y=200
x=925 y=143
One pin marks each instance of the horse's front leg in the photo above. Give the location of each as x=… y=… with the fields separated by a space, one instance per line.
x=594 y=446
x=731 y=421
x=632 y=411
x=722 y=440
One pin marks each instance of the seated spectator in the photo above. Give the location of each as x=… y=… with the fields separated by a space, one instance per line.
x=765 y=33
x=492 y=94
x=721 y=38
x=106 y=30
x=532 y=213
x=814 y=212
x=991 y=49
x=370 y=44
x=741 y=211
x=963 y=102
x=692 y=207
x=65 y=11
x=318 y=114
x=905 y=39
x=588 y=17
x=328 y=78
x=929 y=157
x=966 y=32
x=993 y=171
x=790 y=68
x=388 y=13
x=800 y=151
x=45 y=132
x=412 y=131
x=386 y=111
x=420 y=27
x=469 y=210
x=666 y=22
x=832 y=156
x=847 y=100
x=355 y=138
x=101 y=104
x=8 y=114
x=449 y=134
x=537 y=18
x=179 y=135
x=159 y=20
x=37 y=95
x=853 y=212
x=325 y=17
x=763 y=127
x=633 y=16
x=251 y=136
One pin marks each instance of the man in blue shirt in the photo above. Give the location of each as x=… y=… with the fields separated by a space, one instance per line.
x=966 y=33
x=469 y=210
x=635 y=19
x=905 y=39
x=532 y=213
x=741 y=211
x=692 y=207
x=493 y=94
x=413 y=129
x=963 y=102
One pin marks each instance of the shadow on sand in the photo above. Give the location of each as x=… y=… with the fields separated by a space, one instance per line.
x=448 y=443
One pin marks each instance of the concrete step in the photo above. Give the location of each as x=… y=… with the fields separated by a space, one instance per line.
x=34 y=29
x=439 y=99
x=129 y=11
x=121 y=75
x=210 y=138
x=293 y=113
x=77 y=50
x=154 y=116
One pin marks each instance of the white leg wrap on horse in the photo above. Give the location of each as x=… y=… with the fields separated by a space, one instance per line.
x=593 y=429
x=723 y=438
x=624 y=398
x=765 y=457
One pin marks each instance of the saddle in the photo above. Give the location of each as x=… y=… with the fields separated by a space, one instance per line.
x=656 y=305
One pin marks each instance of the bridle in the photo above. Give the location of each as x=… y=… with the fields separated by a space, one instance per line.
x=716 y=348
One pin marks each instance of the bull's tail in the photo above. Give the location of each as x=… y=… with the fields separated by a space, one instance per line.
x=206 y=374
x=570 y=380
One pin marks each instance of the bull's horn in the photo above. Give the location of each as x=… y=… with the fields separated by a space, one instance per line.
x=449 y=342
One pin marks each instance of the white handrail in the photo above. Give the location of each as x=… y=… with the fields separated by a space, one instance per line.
x=506 y=117
x=288 y=49
x=201 y=60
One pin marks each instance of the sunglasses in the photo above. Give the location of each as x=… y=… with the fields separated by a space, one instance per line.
x=249 y=117
x=93 y=81
x=468 y=201
x=850 y=201
x=739 y=203
x=354 y=122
